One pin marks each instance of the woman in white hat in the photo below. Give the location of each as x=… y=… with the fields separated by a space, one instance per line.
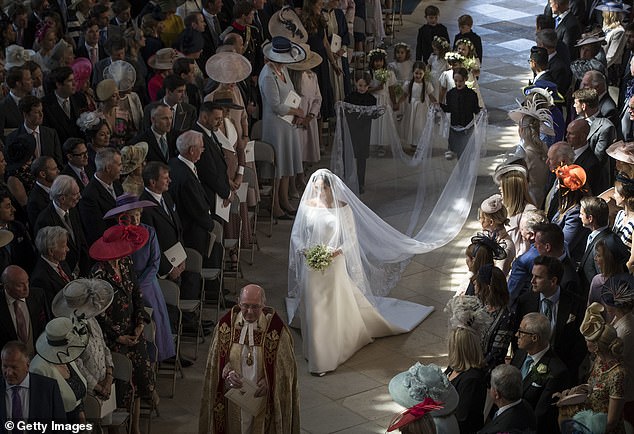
x=275 y=87
x=84 y=299
x=57 y=349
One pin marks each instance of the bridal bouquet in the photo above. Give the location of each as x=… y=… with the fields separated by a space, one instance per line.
x=318 y=257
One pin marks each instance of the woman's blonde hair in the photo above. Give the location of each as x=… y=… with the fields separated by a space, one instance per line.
x=514 y=192
x=612 y=19
x=465 y=350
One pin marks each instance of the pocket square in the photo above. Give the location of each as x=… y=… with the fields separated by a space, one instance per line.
x=536 y=385
x=571 y=318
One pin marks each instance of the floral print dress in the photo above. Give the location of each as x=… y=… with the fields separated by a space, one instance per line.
x=607 y=380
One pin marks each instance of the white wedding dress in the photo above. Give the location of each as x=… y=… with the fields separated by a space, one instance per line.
x=337 y=318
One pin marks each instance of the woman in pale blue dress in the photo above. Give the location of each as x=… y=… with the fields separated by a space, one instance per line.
x=275 y=86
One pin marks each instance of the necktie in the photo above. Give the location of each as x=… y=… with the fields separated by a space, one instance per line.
x=38 y=147
x=557 y=21
x=258 y=24
x=66 y=107
x=164 y=206
x=83 y=177
x=16 y=403
x=69 y=227
x=526 y=366
x=215 y=28
x=163 y=145
x=547 y=307
x=112 y=192
x=20 y=323
x=61 y=273
x=94 y=56
x=173 y=116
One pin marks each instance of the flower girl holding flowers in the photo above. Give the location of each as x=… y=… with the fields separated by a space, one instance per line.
x=382 y=87
x=418 y=92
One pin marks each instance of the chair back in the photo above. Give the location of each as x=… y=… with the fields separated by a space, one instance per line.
x=256 y=130
x=171 y=292
x=122 y=369
x=194 y=262
x=264 y=159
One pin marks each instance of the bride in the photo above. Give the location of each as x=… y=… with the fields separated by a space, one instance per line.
x=341 y=308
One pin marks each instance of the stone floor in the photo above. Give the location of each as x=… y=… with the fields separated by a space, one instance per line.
x=354 y=398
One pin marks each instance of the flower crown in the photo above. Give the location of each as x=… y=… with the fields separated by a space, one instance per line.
x=452 y=56
x=444 y=44
x=88 y=120
x=377 y=52
x=467 y=42
x=401 y=45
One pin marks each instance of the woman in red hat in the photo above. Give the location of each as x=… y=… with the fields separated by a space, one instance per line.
x=123 y=322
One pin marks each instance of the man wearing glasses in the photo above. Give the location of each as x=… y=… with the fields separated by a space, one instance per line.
x=251 y=351
x=543 y=373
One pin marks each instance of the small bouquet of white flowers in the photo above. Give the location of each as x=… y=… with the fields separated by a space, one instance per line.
x=382 y=75
x=319 y=257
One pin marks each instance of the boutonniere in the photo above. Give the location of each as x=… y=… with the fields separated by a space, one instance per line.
x=571 y=318
x=540 y=373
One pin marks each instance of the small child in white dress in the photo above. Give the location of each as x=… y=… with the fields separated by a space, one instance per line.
x=437 y=63
x=382 y=80
x=402 y=67
x=419 y=92
x=472 y=64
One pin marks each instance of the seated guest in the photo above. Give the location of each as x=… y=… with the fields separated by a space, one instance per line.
x=543 y=373
x=21 y=248
x=571 y=179
x=51 y=272
x=513 y=412
x=421 y=383
x=24 y=310
x=76 y=154
x=45 y=170
x=40 y=393
x=609 y=376
x=57 y=349
x=594 y=216
x=85 y=299
x=46 y=139
x=100 y=194
x=467 y=368
x=563 y=309
x=63 y=212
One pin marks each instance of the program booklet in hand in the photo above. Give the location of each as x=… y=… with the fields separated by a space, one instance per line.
x=292 y=100
x=245 y=397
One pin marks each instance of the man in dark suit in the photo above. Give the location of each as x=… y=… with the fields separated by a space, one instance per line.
x=594 y=216
x=20 y=84
x=602 y=133
x=183 y=114
x=538 y=62
x=45 y=171
x=161 y=145
x=193 y=206
x=34 y=22
x=89 y=46
x=163 y=218
x=212 y=167
x=211 y=35
x=116 y=48
x=514 y=413
x=76 y=153
x=20 y=249
x=557 y=65
x=566 y=25
x=607 y=107
x=33 y=311
x=42 y=395
x=577 y=137
x=63 y=212
x=63 y=106
x=51 y=271
x=46 y=139
x=559 y=153
x=543 y=373
x=100 y=194
x=563 y=309
x=549 y=241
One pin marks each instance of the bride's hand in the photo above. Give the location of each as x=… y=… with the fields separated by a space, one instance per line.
x=337 y=253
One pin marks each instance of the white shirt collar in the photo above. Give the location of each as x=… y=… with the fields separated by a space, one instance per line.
x=30 y=131
x=506 y=407
x=207 y=131
x=538 y=355
x=188 y=163
x=157 y=197
x=43 y=187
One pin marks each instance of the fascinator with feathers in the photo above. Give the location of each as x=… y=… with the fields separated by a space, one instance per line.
x=490 y=241
x=467 y=312
x=571 y=176
x=532 y=109
x=618 y=291
x=414 y=413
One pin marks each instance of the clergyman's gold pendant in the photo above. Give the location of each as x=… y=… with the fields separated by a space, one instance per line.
x=249 y=359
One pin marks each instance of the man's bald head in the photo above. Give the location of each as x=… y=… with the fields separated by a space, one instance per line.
x=559 y=153
x=577 y=133
x=252 y=299
x=15 y=281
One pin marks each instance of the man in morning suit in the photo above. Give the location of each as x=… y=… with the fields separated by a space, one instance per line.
x=160 y=142
x=40 y=394
x=514 y=413
x=20 y=84
x=557 y=64
x=23 y=309
x=538 y=62
x=100 y=194
x=594 y=216
x=76 y=153
x=45 y=170
x=63 y=106
x=212 y=167
x=549 y=241
x=563 y=309
x=566 y=25
x=183 y=114
x=63 y=212
x=607 y=107
x=543 y=373
x=193 y=206
x=46 y=139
